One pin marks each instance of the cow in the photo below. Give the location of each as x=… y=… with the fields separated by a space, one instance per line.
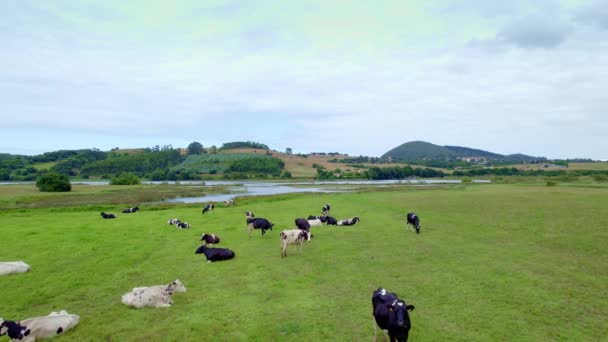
x=210 y=239
x=229 y=203
x=325 y=209
x=174 y=221
x=391 y=314
x=208 y=207
x=108 y=216
x=348 y=222
x=158 y=296
x=293 y=237
x=322 y=218
x=10 y=267
x=130 y=210
x=302 y=224
x=28 y=330
x=215 y=254
x=183 y=225
x=414 y=220
x=249 y=214
x=258 y=223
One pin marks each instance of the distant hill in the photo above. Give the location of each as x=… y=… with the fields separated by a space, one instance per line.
x=420 y=150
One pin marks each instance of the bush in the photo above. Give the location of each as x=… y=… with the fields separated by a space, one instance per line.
x=125 y=178
x=551 y=183
x=600 y=177
x=53 y=182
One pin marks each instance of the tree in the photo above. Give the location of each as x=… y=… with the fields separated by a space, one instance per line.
x=125 y=178
x=53 y=182
x=213 y=149
x=195 y=148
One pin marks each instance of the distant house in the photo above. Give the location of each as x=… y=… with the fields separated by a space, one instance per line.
x=478 y=160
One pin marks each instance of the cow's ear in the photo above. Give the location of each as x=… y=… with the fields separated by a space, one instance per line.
x=410 y=308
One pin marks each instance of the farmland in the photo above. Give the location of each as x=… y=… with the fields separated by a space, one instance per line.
x=492 y=262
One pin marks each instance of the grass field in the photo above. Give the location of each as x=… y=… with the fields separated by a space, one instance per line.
x=492 y=263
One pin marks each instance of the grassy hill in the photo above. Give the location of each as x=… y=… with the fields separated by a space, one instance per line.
x=419 y=150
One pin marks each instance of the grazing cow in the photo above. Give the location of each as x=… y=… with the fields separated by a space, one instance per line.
x=215 y=254
x=302 y=224
x=249 y=214
x=158 y=296
x=413 y=219
x=210 y=239
x=391 y=314
x=229 y=203
x=208 y=207
x=130 y=210
x=330 y=221
x=348 y=222
x=183 y=225
x=10 y=267
x=258 y=223
x=325 y=209
x=28 y=330
x=293 y=237
x=108 y=216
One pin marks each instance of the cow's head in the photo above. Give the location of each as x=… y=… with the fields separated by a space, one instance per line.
x=399 y=319
x=305 y=235
x=177 y=286
x=14 y=330
x=201 y=249
x=356 y=219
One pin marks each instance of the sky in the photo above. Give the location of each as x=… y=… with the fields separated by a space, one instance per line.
x=356 y=77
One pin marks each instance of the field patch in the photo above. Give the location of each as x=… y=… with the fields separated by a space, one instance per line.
x=492 y=262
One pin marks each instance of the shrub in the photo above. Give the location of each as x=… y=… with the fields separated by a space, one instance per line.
x=53 y=182
x=600 y=177
x=551 y=183
x=125 y=178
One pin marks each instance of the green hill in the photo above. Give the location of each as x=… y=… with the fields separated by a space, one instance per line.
x=419 y=150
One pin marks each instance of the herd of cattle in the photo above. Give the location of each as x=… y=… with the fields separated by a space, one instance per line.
x=390 y=312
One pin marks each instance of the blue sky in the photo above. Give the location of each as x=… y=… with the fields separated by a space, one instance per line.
x=356 y=77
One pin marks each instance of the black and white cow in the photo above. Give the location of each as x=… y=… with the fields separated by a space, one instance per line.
x=414 y=220
x=325 y=209
x=31 y=329
x=391 y=314
x=183 y=225
x=108 y=216
x=259 y=223
x=322 y=218
x=302 y=224
x=348 y=222
x=210 y=239
x=208 y=207
x=130 y=210
x=229 y=203
x=174 y=221
x=249 y=214
x=215 y=254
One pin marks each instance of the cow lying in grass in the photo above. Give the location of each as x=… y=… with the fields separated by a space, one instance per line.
x=348 y=222
x=28 y=330
x=10 y=267
x=108 y=216
x=158 y=296
x=215 y=254
x=130 y=210
x=210 y=239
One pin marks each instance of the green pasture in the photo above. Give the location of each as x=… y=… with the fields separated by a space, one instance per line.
x=219 y=162
x=492 y=263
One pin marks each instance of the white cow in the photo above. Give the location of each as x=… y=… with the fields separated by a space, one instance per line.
x=158 y=296
x=10 y=267
x=28 y=330
x=293 y=237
